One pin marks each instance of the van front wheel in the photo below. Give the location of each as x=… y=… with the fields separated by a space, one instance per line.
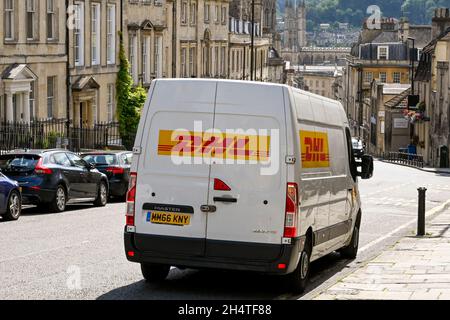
x=298 y=280
x=155 y=272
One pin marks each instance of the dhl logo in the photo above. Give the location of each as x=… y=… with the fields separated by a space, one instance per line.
x=214 y=145
x=315 y=150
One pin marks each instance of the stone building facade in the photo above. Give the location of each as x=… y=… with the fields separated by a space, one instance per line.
x=147 y=32
x=294 y=35
x=432 y=118
x=201 y=39
x=94 y=28
x=33 y=60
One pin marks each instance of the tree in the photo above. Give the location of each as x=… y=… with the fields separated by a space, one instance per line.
x=130 y=100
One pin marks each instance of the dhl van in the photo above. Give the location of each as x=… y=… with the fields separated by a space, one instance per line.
x=243 y=176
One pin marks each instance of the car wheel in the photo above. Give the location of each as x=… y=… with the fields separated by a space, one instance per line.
x=298 y=280
x=351 y=251
x=154 y=273
x=59 y=202
x=102 y=195
x=14 y=208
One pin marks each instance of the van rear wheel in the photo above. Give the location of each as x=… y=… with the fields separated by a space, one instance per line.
x=155 y=272
x=351 y=251
x=298 y=280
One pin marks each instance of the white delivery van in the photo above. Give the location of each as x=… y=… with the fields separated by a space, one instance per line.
x=244 y=176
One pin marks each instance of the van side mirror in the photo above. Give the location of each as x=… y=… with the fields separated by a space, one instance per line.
x=366 y=165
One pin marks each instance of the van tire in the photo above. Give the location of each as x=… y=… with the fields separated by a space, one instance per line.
x=299 y=279
x=351 y=251
x=154 y=273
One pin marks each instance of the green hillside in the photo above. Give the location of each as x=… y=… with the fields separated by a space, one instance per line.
x=355 y=11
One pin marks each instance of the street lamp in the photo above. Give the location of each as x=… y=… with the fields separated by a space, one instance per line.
x=252 y=45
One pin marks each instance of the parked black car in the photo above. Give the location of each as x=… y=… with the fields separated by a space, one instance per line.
x=10 y=199
x=116 y=165
x=52 y=178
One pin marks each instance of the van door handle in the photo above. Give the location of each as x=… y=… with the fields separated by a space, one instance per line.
x=225 y=199
x=208 y=209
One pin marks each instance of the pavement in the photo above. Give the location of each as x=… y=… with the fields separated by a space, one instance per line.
x=414 y=268
x=426 y=169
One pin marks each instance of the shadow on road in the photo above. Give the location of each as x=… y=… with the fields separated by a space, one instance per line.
x=216 y=284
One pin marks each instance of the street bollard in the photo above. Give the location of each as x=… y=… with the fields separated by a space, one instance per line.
x=421 y=212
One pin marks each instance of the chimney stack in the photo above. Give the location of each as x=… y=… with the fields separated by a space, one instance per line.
x=440 y=21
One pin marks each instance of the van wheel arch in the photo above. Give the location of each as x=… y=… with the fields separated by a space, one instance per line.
x=310 y=237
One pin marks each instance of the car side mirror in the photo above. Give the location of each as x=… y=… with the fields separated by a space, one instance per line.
x=90 y=166
x=366 y=165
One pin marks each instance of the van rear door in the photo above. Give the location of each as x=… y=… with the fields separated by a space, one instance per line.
x=171 y=187
x=251 y=212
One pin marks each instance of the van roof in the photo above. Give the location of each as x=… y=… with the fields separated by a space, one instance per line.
x=336 y=107
x=243 y=82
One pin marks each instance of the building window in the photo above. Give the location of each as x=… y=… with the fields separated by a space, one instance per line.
x=133 y=62
x=110 y=103
x=192 y=59
x=222 y=61
x=50 y=96
x=383 y=53
x=193 y=13
x=158 y=56
x=397 y=77
x=217 y=17
x=51 y=19
x=383 y=77
x=31 y=15
x=146 y=60
x=183 y=63
x=216 y=61
x=9 y=19
x=224 y=15
x=94 y=107
x=206 y=13
x=368 y=77
x=111 y=34
x=95 y=33
x=79 y=33
x=184 y=13
x=32 y=99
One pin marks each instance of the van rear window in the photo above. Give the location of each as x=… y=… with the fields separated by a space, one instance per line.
x=18 y=163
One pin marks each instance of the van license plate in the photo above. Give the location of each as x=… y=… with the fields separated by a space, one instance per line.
x=178 y=219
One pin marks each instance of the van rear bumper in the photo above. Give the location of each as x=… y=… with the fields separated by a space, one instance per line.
x=225 y=255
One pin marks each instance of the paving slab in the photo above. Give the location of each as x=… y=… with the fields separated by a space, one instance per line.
x=415 y=268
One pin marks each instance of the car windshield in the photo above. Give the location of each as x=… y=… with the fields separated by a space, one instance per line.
x=18 y=163
x=101 y=159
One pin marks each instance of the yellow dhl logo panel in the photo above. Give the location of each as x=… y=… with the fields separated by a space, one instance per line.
x=214 y=145
x=315 y=149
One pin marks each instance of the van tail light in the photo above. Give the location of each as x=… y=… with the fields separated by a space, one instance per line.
x=40 y=169
x=291 y=216
x=131 y=199
x=219 y=185
x=115 y=170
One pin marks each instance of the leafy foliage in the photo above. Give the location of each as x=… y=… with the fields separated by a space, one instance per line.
x=130 y=100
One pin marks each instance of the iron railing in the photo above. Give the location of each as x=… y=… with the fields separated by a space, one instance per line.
x=55 y=133
x=409 y=159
